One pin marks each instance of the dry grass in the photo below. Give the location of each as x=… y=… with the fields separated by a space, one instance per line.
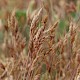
x=50 y=56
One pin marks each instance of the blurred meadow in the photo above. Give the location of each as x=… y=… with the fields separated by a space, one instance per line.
x=39 y=39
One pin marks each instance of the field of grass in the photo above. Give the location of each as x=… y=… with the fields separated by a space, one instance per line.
x=39 y=39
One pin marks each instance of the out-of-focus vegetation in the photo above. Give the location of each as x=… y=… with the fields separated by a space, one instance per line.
x=39 y=39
